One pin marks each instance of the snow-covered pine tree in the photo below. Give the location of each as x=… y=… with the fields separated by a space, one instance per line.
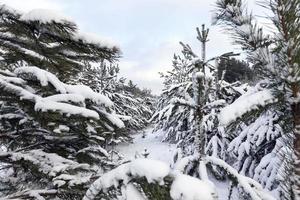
x=54 y=136
x=176 y=119
x=51 y=41
x=215 y=95
x=130 y=102
x=136 y=104
x=275 y=57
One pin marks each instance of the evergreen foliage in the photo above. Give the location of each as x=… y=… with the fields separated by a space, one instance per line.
x=54 y=136
x=51 y=41
x=235 y=70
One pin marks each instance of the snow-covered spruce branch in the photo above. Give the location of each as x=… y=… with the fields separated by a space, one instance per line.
x=182 y=102
x=182 y=186
x=251 y=100
x=32 y=194
x=58 y=102
x=249 y=186
x=241 y=24
x=246 y=32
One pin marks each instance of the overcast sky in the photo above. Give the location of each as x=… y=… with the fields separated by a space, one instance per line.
x=148 y=31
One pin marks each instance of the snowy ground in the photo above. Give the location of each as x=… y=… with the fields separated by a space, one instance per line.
x=152 y=143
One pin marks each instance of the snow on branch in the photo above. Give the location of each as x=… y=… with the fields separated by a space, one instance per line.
x=65 y=108
x=182 y=102
x=49 y=164
x=191 y=188
x=29 y=194
x=45 y=16
x=244 y=104
x=183 y=186
x=250 y=186
x=60 y=103
x=45 y=77
x=91 y=38
x=154 y=171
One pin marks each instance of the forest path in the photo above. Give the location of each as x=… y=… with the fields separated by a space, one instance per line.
x=150 y=141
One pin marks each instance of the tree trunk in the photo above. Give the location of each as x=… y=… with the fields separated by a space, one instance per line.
x=198 y=94
x=296 y=121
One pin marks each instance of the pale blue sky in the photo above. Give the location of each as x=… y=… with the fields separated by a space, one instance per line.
x=148 y=31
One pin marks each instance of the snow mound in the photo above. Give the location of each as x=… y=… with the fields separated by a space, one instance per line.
x=45 y=16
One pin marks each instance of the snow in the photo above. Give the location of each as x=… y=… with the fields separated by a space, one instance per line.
x=250 y=186
x=150 y=141
x=153 y=170
x=9 y=9
x=113 y=118
x=48 y=163
x=72 y=180
x=189 y=188
x=64 y=108
x=70 y=93
x=244 y=104
x=88 y=93
x=45 y=16
x=92 y=38
x=13 y=80
x=132 y=193
x=18 y=91
x=75 y=98
x=183 y=187
x=45 y=77
x=61 y=128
